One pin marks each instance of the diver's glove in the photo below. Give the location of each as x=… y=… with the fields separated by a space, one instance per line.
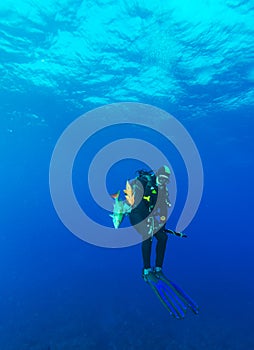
x=178 y=234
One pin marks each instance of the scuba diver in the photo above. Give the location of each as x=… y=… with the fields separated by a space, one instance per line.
x=147 y=203
x=146 y=188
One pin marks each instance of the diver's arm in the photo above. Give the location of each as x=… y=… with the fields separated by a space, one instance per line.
x=175 y=233
x=167 y=200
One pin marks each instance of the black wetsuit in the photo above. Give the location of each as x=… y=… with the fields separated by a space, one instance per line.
x=147 y=196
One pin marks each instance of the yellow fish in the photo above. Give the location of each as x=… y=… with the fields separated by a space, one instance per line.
x=129 y=194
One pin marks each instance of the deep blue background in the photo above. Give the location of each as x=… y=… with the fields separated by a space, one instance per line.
x=56 y=288
x=58 y=292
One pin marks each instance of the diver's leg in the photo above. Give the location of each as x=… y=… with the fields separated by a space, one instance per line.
x=160 y=247
x=146 y=252
x=140 y=225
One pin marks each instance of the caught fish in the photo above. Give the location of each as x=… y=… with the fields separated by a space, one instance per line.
x=120 y=209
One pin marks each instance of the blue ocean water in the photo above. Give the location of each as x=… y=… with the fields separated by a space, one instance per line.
x=60 y=59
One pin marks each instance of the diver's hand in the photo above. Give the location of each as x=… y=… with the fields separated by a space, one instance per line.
x=180 y=234
x=183 y=235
